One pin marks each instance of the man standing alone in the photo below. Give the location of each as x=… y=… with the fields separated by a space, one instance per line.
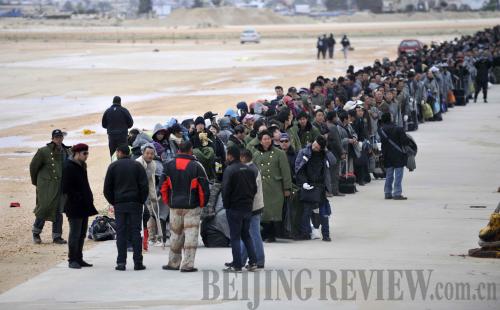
x=117 y=120
x=126 y=189
x=393 y=140
x=46 y=172
x=79 y=203
x=185 y=190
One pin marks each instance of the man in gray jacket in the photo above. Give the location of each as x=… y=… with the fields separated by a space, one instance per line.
x=334 y=145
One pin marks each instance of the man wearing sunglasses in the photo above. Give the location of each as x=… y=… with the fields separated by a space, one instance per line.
x=79 y=203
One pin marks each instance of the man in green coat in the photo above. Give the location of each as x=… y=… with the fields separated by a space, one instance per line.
x=276 y=182
x=205 y=154
x=46 y=170
x=306 y=131
x=252 y=142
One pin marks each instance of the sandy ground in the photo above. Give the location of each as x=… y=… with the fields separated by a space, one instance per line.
x=67 y=85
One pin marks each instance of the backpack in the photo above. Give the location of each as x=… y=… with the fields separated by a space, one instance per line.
x=102 y=228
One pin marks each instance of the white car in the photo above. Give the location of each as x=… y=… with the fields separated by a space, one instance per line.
x=249 y=35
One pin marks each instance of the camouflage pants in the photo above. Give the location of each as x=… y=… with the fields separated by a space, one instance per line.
x=184 y=229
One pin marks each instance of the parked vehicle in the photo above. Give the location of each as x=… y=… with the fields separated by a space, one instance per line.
x=410 y=47
x=249 y=35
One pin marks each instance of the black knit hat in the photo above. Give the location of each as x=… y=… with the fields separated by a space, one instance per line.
x=117 y=100
x=199 y=120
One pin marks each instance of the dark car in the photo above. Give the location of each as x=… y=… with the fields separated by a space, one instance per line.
x=410 y=47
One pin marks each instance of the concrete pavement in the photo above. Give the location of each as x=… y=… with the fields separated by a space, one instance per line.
x=457 y=167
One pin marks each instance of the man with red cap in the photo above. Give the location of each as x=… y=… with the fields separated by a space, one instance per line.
x=79 y=203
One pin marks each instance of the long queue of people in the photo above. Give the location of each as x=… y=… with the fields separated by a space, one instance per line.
x=263 y=170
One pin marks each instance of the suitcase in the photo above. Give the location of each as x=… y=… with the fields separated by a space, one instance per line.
x=460 y=97
x=412 y=121
x=379 y=173
x=347 y=180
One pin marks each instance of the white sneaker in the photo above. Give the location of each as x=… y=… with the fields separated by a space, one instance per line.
x=158 y=244
x=315 y=234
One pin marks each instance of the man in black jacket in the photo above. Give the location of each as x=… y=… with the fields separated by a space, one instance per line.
x=126 y=188
x=117 y=120
x=239 y=187
x=483 y=66
x=331 y=45
x=79 y=203
x=185 y=189
x=313 y=176
x=393 y=140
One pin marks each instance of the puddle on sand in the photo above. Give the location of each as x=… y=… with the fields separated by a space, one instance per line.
x=165 y=61
x=29 y=142
x=32 y=110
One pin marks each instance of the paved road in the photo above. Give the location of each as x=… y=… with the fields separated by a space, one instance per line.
x=457 y=167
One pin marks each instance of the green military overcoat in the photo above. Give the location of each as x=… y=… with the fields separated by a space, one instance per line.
x=276 y=178
x=46 y=170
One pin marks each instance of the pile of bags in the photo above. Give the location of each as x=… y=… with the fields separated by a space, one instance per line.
x=489 y=238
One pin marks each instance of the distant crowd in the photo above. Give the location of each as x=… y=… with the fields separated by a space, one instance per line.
x=326 y=45
x=266 y=169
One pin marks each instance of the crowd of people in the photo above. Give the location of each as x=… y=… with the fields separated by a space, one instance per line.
x=327 y=44
x=270 y=164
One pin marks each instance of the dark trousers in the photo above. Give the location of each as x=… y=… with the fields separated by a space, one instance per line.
x=56 y=226
x=239 y=230
x=330 y=51
x=76 y=238
x=128 y=223
x=271 y=230
x=361 y=169
x=481 y=86
x=163 y=224
x=325 y=226
x=114 y=141
x=305 y=223
x=307 y=213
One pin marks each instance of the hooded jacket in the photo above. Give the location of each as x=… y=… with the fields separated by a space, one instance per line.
x=303 y=158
